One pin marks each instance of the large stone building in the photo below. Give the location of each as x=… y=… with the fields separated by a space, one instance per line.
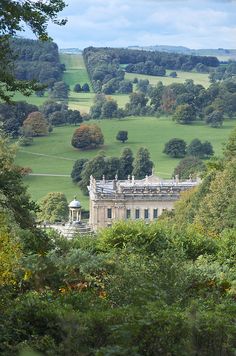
x=144 y=199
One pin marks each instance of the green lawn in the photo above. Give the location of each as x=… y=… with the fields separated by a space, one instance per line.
x=57 y=156
x=75 y=70
x=32 y=99
x=198 y=78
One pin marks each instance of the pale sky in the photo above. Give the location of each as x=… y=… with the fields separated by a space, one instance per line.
x=122 y=23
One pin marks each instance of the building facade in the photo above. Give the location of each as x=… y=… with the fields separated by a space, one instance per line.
x=144 y=199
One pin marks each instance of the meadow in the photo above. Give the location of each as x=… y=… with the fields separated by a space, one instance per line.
x=198 y=78
x=55 y=155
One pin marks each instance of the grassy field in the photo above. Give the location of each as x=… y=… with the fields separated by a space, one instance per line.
x=198 y=78
x=55 y=155
x=76 y=73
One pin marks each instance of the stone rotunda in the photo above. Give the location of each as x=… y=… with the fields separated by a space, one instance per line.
x=74 y=211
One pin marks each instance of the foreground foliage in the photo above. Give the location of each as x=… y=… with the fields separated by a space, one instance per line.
x=166 y=288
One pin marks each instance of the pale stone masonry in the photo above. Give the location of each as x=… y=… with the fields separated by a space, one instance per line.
x=144 y=199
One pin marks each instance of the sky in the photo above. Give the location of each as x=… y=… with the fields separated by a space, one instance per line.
x=122 y=23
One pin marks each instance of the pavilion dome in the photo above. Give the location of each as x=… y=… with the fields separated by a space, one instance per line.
x=75 y=204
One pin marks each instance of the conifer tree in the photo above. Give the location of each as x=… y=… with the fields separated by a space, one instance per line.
x=142 y=164
x=126 y=163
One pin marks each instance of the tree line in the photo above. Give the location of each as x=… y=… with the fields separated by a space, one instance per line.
x=112 y=167
x=186 y=102
x=36 y=60
x=106 y=66
x=16 y=117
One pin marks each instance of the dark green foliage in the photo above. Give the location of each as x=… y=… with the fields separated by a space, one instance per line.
x=112 y=165
x=126 y=163
x=95 y=167
x=215 y=119
x=77 y=88
x=142 y=85
x=173 y=74
x=189 y=167
x=103 y=65
x=163 y=288
x=195 y=148
x=184 y=114
x=60 y=90
x=85 y=88
x=125 y=87
x=13 y=115
x=175 y=148
x=122 y=136
x=142 y=164
x=200 y=149
x=109 y=109
x=51 y=106
x=37 y=60
x=77 y=169
x=104 y=108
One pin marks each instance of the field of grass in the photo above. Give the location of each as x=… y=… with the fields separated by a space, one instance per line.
x=55 y=155
x=198 y=78
x=32 y=99
x=75 y=70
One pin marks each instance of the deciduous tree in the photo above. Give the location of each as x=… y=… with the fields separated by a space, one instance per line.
x=122 y=136
x=36 y=124
x=189 y=167
x=215 y=119
x=87 y=136
x=54 y=207
x=175 y=148
x=184 y=114
x=77 y=169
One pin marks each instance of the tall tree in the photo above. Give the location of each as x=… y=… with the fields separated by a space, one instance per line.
x=122 y=136
x=35 y=125
x=60 y=90
x=184 y=114
x=175 y=148
x=126 y=163
x=95 y=167
x=87 y=137
x=77 y=169
x=142 y=163
x=54 y=207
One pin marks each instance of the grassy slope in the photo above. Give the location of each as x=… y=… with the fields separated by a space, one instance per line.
x=148 y=132
x=198 y=78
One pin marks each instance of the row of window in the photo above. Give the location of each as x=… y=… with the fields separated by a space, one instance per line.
x=137 y=214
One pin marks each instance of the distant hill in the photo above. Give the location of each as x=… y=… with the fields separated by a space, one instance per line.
x=71 y=50
x=221 y=53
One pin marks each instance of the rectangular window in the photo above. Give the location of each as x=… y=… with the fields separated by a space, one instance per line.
x=137 y=213
x=128 y=213
x=109 y=213
x=146 y=214
x=155 y=213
